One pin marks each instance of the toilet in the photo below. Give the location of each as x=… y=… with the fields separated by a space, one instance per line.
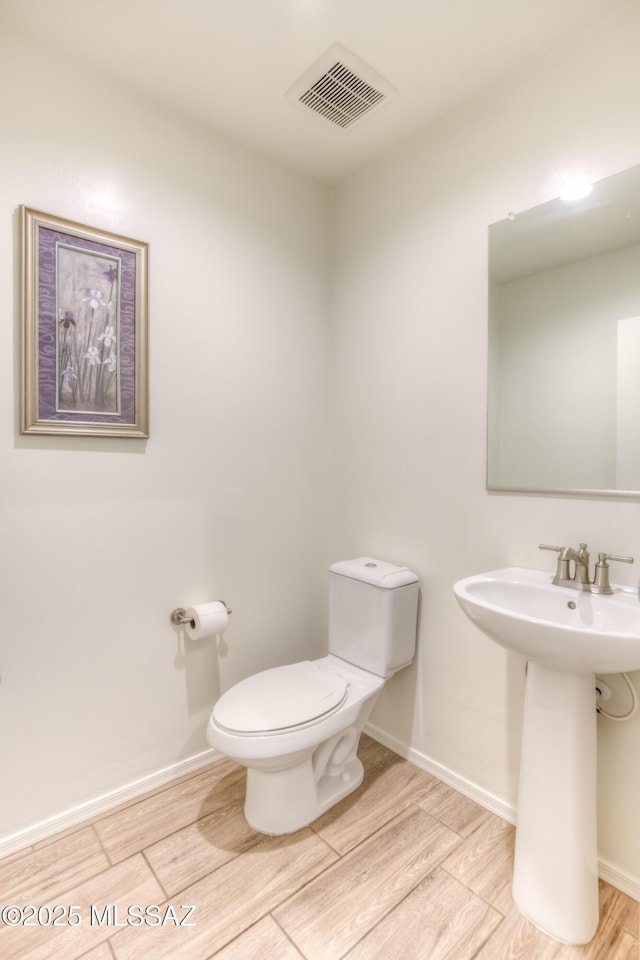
x=296 y=728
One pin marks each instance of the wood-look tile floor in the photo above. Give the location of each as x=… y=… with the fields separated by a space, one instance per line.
x=404 y=867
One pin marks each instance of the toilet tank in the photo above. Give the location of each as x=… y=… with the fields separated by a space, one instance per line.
x=373 y=610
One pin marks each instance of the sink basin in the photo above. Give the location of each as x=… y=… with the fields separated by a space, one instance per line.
x=563 y=629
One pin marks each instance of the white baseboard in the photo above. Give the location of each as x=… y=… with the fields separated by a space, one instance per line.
x=613 y=875
x=104 y=803
x=461 y=784
x=619 y=879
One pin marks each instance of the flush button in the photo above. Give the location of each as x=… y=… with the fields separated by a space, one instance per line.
x=371 y=564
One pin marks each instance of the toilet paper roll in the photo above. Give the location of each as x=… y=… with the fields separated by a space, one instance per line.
x=206 y=620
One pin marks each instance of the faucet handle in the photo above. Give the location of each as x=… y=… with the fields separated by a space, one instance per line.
x=601 y=577
x=562 y=568
x=603 y=557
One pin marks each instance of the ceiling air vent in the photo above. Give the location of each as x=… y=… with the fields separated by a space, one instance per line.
x=341 y=88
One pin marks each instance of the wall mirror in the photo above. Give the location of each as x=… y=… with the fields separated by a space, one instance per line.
x=564 y=345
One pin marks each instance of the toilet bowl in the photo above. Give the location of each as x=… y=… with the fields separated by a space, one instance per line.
x=296 y=728
x=303 y=707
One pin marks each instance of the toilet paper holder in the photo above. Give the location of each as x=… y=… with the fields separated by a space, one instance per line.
x=178 y=616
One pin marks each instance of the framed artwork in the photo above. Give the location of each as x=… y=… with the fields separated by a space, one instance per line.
x=84 y=330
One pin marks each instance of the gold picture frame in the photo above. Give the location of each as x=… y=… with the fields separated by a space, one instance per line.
x=84 y=330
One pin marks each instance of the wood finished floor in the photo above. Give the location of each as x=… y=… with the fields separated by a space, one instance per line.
x=404 y=867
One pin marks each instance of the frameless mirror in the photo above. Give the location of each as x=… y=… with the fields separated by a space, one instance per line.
x=564 y=344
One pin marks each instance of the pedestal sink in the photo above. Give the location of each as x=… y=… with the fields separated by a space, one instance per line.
x=567 y=636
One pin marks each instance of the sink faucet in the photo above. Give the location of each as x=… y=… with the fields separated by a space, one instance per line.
x=580 y=557
x=580 y=579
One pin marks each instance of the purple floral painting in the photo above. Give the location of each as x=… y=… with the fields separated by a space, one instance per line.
x=85 y=330
x=88 y=328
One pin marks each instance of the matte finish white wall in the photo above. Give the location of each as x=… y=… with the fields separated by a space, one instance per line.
x=101 y=539
x=410 y=351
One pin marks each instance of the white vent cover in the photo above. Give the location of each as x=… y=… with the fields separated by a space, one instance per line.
x=341 y=88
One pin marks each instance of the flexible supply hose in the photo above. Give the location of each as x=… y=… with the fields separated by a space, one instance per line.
x=633 y=709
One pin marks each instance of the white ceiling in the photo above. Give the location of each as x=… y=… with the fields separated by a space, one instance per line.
x=229 y=63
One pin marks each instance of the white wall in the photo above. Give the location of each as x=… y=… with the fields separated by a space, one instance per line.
x=410 y=350
x=101 y=539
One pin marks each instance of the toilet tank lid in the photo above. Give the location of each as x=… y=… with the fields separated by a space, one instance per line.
x=380 y=573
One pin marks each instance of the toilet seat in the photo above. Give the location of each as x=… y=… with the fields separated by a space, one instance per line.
x=279 y=699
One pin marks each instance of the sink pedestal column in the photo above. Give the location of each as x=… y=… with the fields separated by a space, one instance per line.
x=555 y=878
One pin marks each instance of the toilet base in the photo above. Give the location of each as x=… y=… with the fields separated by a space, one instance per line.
x=283 y=801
